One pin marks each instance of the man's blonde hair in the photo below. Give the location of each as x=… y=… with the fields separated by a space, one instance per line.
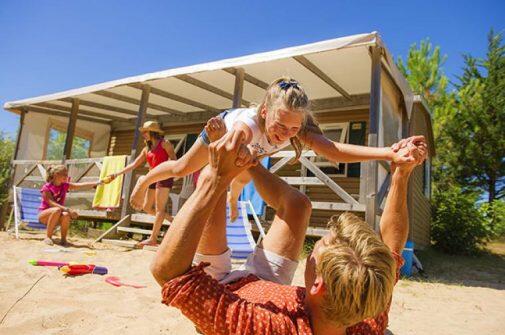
x=358 y=271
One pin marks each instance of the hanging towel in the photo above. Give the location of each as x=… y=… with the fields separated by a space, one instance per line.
x=249 y=193
x=109 y=195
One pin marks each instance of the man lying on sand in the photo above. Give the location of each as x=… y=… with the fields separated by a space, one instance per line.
x=349 y=277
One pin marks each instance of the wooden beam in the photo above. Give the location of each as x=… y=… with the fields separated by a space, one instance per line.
x=360 y=100
x=39 y=110
x=248 y=78
x=208 y=87
x=81 y=111
x=102 y=106
x=127 y=184
x=238 y=89
x=124 y=221
x=302 y=180
x=172 y=120
x=337 y=206
x=371 y=167
x=69 y=138
x=26 y=174
x=124 y=98
x=323 y=76
x=175 y=97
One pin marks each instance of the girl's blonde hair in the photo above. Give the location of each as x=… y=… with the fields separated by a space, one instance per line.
x=54 y=170
x=287 y=92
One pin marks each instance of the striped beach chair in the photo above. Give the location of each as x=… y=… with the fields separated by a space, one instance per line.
x=26 y=205
x=238 y=232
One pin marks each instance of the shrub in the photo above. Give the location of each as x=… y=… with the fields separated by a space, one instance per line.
x=458 y=225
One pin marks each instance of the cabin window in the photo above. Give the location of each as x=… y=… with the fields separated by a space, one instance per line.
x=181 y=142
x=56 y=144
x=337 y=132
x=427 y=178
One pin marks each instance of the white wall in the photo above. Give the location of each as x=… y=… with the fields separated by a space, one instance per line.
x=35 y=130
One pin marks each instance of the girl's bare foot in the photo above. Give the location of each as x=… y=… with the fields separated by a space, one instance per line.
x=48 y=241
x=142 y=244
x=215 y=128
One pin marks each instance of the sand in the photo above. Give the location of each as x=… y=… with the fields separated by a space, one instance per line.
x=88 y=305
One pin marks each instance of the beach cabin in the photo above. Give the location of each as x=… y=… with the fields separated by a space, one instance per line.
x=358 y=96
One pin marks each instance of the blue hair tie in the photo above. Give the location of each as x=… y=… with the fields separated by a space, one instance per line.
x=285 y=85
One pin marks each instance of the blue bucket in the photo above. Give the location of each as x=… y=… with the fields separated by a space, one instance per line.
x=408 y=255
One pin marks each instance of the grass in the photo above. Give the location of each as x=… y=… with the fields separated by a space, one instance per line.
x=80 y=227
x=486 y=269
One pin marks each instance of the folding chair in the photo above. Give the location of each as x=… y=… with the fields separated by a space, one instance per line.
x=26 y=205
x=238 y=232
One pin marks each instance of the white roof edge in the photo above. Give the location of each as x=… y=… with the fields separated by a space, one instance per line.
x=336 y=43
x=420 y=99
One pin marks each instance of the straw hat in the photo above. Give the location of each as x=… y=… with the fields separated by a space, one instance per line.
x=153 y=126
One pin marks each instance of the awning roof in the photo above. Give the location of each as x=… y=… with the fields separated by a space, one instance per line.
x=336 y=68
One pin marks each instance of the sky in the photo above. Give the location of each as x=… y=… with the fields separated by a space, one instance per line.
x=50 y=46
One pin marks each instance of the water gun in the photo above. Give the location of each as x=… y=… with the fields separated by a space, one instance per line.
x=81 y=269
x=47 y=263
x=72 y=268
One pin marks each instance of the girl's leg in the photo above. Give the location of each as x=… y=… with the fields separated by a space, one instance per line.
x=161 y=203
x=236 y=187
x=50 y=217
x=193 y=160
x=149 y=199
x=65 y=224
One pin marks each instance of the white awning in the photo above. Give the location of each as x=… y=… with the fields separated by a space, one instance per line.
x=334 y=68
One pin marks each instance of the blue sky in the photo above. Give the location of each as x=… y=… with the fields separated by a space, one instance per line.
x=50 y=46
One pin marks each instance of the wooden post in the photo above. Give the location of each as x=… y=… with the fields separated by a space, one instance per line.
x=239 y=88
x=5 y=205
x=371 y=167
x=67 y=151
x=136 y=148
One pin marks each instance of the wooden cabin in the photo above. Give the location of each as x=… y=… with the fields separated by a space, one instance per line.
x=358 y=95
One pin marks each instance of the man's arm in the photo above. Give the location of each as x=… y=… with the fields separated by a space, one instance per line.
x=394 y=225
x=227 y=158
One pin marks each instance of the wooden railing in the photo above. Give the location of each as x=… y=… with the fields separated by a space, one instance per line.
x=306 y=160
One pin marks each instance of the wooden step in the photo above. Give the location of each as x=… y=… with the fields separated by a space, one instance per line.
x=337 y=206
x=146 y=218
x=137 y=230
x=121 y=243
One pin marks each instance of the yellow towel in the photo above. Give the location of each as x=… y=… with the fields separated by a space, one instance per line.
x=109 y=195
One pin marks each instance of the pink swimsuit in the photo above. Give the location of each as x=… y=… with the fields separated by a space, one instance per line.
x=58 y=192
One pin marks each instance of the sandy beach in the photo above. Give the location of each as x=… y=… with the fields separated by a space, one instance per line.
x=89 y=305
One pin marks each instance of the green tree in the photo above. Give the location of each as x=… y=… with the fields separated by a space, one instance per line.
x=6 y=151
x=423 y=71
x=477 y=128
x=56 y=145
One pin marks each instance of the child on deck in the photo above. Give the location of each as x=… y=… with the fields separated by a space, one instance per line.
x=52 y=210
x=283 y=118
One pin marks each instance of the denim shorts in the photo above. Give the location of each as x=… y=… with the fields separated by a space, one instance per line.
x=203 y=135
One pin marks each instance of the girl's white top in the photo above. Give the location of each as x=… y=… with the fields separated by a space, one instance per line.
x=259 y=141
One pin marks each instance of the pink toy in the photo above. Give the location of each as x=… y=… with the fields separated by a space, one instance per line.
x=117 y=282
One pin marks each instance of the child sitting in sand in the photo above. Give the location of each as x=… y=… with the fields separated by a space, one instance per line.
x=52 y=210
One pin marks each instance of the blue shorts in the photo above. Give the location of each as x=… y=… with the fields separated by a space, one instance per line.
x=203 y=135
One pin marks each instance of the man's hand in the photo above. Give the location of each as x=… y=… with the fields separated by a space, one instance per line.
x=411 y=155
x=229 y=155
